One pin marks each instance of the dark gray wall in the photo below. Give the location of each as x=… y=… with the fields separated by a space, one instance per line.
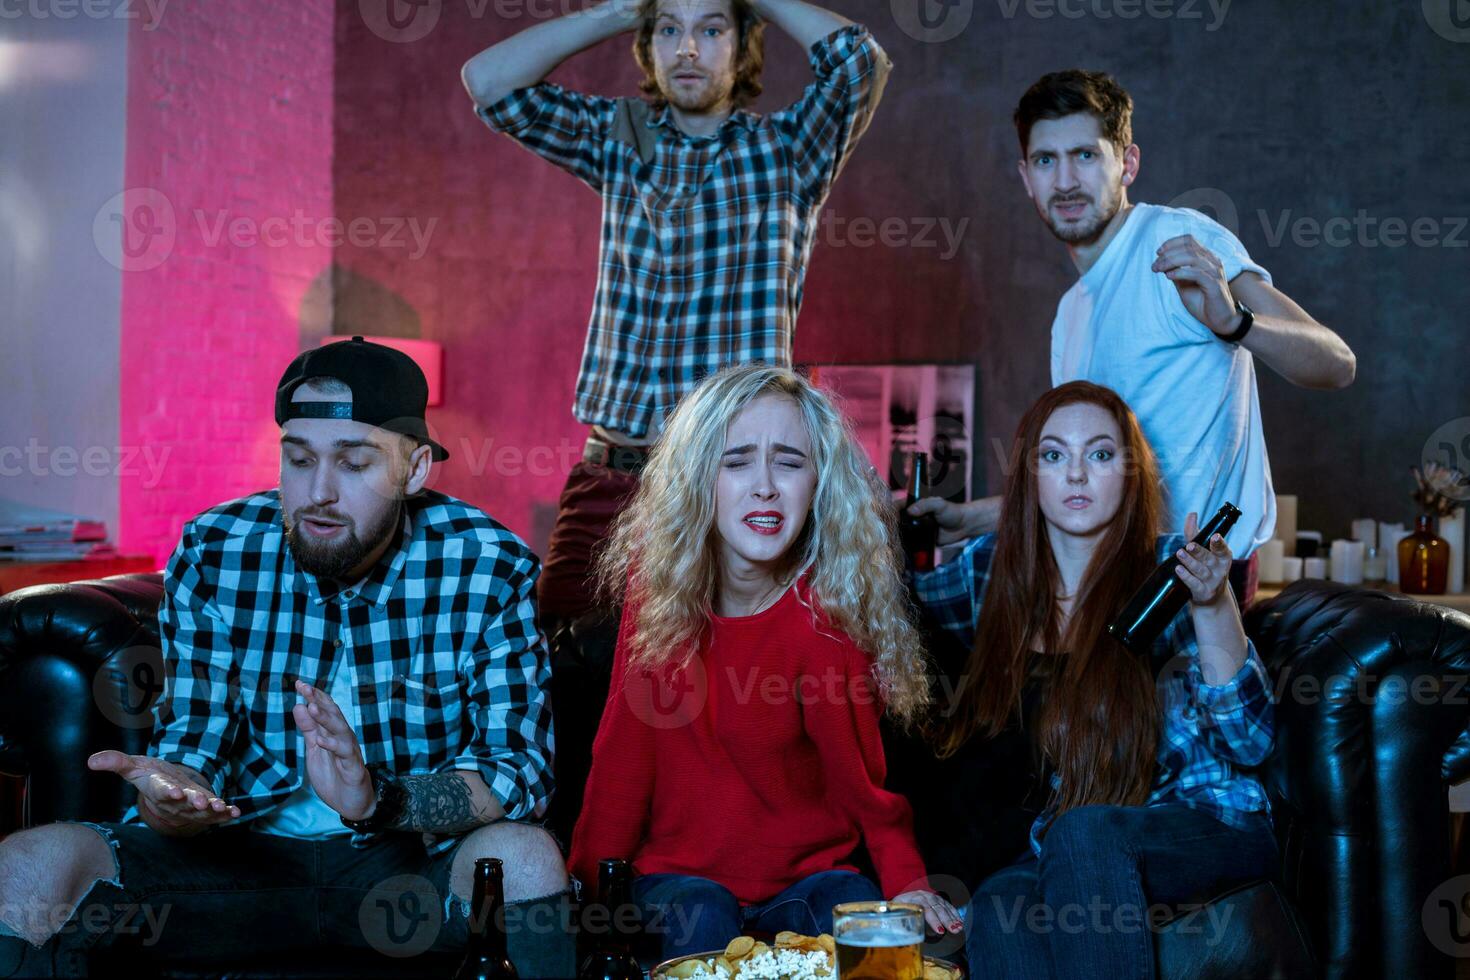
x=1277 y=109
x=1286 y=110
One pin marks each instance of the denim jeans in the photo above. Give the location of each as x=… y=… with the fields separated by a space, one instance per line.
x=1084 y=909
x=694 y=915
x=235 y=894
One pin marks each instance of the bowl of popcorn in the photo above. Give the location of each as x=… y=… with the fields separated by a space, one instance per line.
x=792 y=957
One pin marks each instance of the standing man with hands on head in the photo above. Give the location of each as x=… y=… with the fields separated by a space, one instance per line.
x=355 y=692
x=1170 y=312
x=709 y=213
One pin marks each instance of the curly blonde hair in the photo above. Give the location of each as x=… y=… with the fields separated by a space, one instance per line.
x=663 y=549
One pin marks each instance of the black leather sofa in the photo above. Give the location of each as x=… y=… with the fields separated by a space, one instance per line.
x=1372 y=722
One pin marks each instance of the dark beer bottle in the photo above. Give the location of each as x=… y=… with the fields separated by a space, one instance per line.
x=487 y=957
x=1154 y=606
x=919 y=536
x=614 y=928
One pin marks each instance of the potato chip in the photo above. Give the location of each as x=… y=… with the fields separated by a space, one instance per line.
x=826 y=941
x=934 y=972
x=739 y=947
x=759 y=948
x=685 y=970
x=722 y=961
x=788 y=938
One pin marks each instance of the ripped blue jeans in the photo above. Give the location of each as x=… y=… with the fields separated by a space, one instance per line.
x=234 y=894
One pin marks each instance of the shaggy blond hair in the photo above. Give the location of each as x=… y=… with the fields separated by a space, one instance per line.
x=666 y=539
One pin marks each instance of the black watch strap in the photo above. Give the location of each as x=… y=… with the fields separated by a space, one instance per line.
x=1247 y=320
x=390 y=799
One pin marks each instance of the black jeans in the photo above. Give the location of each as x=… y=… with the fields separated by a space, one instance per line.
x=234 y=894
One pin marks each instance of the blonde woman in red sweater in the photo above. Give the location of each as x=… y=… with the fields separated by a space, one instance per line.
x=765 y=630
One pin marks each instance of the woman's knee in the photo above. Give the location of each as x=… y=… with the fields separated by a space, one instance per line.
x=835 y=887
x=1089 y=828
x=680 y=908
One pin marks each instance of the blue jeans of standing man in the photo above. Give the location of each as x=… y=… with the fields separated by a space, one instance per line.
x=695 y=915
x=1084 y=909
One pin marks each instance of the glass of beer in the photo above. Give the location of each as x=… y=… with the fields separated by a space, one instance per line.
x=879 y=941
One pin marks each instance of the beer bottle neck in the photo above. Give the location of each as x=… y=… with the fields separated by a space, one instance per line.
x=487 y=924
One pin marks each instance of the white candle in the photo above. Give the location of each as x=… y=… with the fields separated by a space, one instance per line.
x=1347 y=562
x=1452 y=529
x=1314 y=568
x=1365 y=529
x=1389 y=536
x=1291 y=569
x=1286 y=521
x=1272 y=554
x=1375 y=566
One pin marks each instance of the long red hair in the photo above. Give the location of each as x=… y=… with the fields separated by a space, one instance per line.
x=1099 y=720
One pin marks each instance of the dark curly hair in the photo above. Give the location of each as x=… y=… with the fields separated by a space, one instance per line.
x=750 y=55
x=1063 y=93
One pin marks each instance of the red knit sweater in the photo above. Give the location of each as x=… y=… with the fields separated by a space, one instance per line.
x=757 y=765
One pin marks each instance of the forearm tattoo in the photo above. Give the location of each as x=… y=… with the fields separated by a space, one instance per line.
x=440 y=803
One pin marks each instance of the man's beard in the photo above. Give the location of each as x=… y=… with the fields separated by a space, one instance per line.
x=706 y=99
x=1082 y=234
x=337 y=561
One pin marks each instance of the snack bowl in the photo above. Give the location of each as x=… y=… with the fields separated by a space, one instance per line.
x=934 y=968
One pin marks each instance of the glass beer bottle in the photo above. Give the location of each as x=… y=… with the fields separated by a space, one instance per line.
x=1156 y=603
x=487 y=957
x=919 y=536
x=613 y=937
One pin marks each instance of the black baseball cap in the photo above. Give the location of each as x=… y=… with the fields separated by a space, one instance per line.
x=388 y=389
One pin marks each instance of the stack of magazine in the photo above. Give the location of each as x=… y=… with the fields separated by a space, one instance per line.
x=29 y=533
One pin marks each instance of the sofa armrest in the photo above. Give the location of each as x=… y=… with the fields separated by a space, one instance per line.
x=80 y=669
x=1372 y=711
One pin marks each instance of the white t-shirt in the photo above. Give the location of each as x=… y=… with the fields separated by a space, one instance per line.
x=1124 y=326
x=304 y=815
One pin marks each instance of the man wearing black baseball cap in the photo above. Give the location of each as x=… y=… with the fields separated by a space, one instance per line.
x=355 y=712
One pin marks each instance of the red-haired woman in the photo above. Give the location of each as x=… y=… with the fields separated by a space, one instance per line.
x=1150 y=802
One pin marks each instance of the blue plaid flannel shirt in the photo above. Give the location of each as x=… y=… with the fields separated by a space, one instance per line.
x=450 y=670
x=1209 y=732
x=705 y=249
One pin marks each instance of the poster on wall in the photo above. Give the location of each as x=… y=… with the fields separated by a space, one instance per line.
x=899 y=409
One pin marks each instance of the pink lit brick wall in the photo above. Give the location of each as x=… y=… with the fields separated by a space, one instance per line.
x=228 y=175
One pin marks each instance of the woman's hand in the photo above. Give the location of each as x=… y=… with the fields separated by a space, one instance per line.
x=1205 y=570
x=939 y=915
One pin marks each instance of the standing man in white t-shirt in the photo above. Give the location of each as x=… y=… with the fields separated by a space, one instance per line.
x=1170 y=311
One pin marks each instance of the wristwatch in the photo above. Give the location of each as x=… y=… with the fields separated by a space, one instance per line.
x=1247 y=320
x=391 y=799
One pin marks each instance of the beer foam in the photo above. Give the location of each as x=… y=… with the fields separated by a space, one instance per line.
x=879 y=937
